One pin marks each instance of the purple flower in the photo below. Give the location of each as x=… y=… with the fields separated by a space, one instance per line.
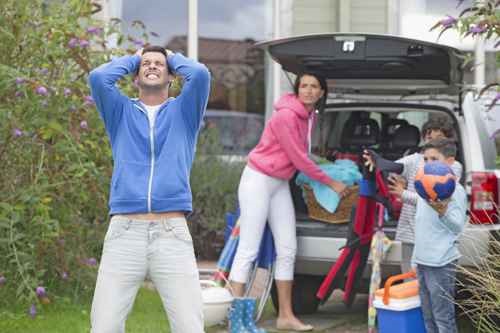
x=73 y=42
x=494 y=101
x=88 y=100
x=32 y=311
x=16 y=132
x=448 y=22
x=91 y=261
x=19 y=94
x=44 y=71
x=19 y=80
x=67 y=92
x=84 y=43
x=84 y=125
x=2 y=280
x=40 y=291
x=94 y=30
x=64 y=275
x=138 y=43
x=41 y=90
x=477 y=29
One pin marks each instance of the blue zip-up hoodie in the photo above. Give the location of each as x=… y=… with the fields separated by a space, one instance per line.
x=151 y=165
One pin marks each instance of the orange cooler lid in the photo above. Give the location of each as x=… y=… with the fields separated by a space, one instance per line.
x=400 y=291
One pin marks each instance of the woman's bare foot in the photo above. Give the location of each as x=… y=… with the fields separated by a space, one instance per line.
x=292 y=324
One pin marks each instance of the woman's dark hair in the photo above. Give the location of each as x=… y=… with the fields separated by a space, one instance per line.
x=322 y=82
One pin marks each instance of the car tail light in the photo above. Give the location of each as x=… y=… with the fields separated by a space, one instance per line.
x=484 y=198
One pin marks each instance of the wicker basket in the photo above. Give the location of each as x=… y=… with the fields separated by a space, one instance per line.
x=341 y=215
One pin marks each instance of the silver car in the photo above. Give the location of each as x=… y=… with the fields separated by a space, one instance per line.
x=385 y=82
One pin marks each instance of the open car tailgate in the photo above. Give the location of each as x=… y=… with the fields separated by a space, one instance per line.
x=370 y=63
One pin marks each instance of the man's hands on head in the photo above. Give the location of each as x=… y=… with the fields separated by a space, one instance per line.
x=169 y=53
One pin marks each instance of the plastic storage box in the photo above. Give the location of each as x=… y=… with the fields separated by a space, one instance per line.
x=398 y=307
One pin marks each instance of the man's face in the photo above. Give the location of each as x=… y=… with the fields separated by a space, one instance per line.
x=433 y=155
x=153 y=71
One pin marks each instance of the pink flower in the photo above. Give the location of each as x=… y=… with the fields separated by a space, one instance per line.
x=91 y=261
x=19 y=80
x=138 y=43
x=67 y=92
x=73 y=42
x=84 y=125
x=88 y=100
x=94 y=30
x=16 y=132
x=84 y=43
x=64 y=276
x=448 y=22
x=41 y=90
x=477 y=29
x=40 y=291
x=32 y=311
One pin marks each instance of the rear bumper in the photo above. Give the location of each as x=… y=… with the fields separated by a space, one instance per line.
x=316 y=254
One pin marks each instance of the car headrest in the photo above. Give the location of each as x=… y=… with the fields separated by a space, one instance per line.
x=359 y=133
x=390 y=128
x=406 y=137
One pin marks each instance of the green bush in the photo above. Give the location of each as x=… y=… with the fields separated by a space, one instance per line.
x=214 y=183
x=482 y=288
x=55 y=155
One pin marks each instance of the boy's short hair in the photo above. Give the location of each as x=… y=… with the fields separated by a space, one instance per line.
x=439 y=124
x=447 y=147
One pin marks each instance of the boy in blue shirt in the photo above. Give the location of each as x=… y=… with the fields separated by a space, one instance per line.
x=438 y=224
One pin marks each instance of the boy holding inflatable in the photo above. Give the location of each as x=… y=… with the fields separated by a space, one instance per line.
x=438 y=224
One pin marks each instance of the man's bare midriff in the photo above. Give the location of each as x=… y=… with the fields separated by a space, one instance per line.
x=153 y=216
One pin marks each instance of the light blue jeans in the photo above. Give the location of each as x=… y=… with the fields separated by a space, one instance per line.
x=437 y=292
x=162 y=250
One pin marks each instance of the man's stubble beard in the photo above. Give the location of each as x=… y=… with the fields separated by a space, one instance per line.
x=152 y=88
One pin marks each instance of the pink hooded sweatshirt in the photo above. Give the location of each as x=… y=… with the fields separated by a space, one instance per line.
x=284 y=144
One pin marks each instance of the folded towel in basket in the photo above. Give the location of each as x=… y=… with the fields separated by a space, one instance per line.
x=345 y=171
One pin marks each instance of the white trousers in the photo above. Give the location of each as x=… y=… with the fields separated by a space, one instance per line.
x=162 y=250
x=263 y=198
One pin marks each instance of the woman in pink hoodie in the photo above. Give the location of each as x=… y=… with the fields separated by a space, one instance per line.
x=264 y=192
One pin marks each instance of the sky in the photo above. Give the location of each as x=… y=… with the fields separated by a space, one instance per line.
x=234 y=19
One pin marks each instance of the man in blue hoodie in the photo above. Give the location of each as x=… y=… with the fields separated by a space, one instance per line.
x=153 y=141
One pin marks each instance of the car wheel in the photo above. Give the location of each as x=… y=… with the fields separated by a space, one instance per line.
x=304 y=300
